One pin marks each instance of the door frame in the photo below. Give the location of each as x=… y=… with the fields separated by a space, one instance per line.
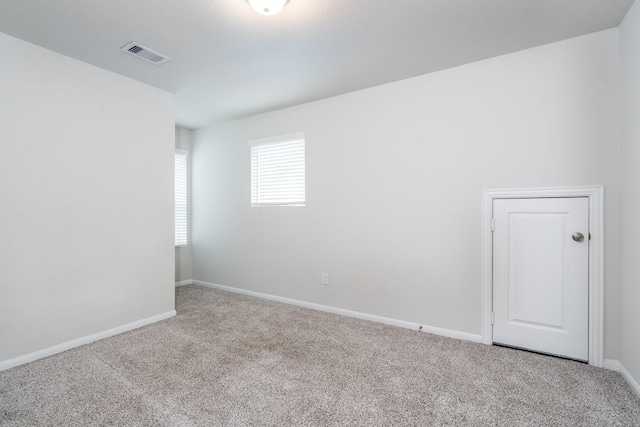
x=596 y=257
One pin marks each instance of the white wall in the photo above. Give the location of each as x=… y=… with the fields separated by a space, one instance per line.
x=183 y=253
x=86 y=177
x=630 y=154
x=394 y=181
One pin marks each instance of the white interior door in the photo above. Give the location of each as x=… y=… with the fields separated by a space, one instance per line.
x=541 y=275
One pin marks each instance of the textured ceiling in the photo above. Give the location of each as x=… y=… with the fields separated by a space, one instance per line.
x=227 y=61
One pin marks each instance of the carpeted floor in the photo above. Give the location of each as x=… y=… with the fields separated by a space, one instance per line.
x=229 y=360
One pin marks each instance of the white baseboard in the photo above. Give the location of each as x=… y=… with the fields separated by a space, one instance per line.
x=632 y=381
x=184 y=283
x=371 y=317
x=617 y=366
x=612 y=365
x=50 y=351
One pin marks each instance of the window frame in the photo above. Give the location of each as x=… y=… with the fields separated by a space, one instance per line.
x=298 y=171
x=181 y=207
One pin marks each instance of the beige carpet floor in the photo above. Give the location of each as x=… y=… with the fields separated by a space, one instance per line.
x=231 y=360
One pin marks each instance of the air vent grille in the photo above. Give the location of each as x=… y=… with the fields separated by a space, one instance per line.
x=144 y=53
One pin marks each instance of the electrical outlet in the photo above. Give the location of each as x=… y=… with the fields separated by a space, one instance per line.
x=325 y=278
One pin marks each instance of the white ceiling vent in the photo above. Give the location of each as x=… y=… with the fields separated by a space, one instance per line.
x=144 y=53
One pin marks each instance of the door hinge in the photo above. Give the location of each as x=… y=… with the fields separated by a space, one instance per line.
x=493 y=224
x=492 y=318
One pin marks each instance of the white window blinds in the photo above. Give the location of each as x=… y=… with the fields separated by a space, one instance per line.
x=278 y=170
x=181 y=230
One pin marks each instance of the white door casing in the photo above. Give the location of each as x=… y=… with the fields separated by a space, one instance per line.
x=540 y=275
x=596 y=252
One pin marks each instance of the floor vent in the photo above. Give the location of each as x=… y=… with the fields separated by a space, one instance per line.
x=144 y=53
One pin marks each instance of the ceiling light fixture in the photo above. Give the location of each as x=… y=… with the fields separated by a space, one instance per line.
x=267 y=7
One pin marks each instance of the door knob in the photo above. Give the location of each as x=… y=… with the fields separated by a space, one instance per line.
x=578 y=237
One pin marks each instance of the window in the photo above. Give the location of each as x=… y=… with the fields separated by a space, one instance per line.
x=278 y=170
x=181 y=230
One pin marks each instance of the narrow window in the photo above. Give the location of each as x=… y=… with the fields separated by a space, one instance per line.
x=181 y=230
x=278 y=171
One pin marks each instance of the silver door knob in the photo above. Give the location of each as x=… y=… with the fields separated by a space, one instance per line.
x=578 y=237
